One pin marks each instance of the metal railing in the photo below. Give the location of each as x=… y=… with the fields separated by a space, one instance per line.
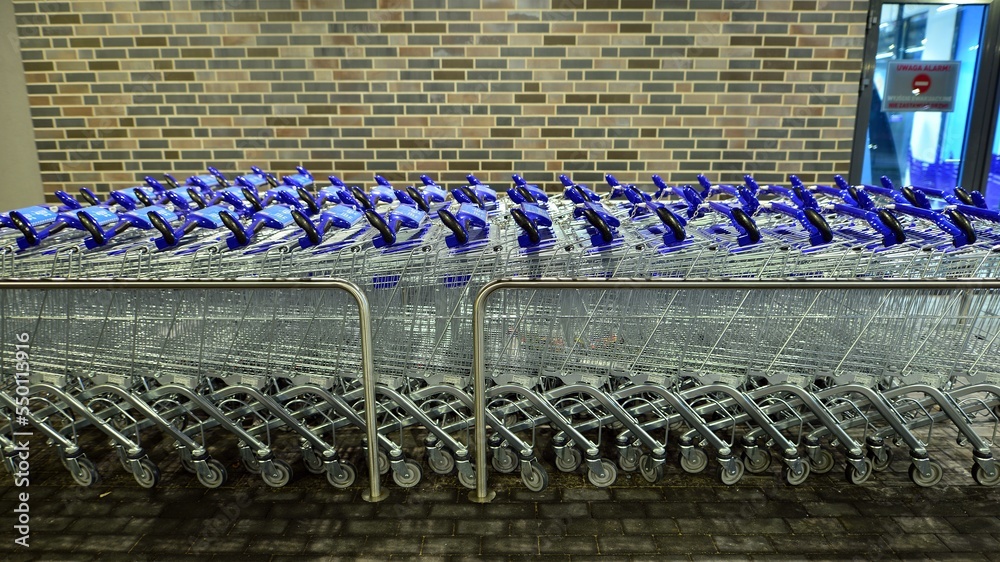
x=483 y=494
x=374 y=493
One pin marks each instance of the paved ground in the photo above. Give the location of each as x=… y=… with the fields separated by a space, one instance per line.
x=683 y=518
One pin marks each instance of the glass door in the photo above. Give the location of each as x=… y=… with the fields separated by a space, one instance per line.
x=992 y=174
x=919 y=93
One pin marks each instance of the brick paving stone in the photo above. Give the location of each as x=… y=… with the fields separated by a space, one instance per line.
x=591 y=527
x=284 y=545
x=567 y=545
x=685 y=544
x=456 y=511
x=259 y=527
x=616 y=510
x=631 y=544
x=924 y=525
x=357 y=510
x=742 y=543
x=520 y=510
x=975 y=524
x=335 y=546
x=375 y=527
x=314 y=527
x=870 y=525
x=451 y=545
x=510 y=545
x=916 y=543
x=814 y=525
x=650 y=526
x=873 y=546
x=378 y=544
x=519 y=527
x=422 y=527
x=797 y=545
x=564 y=510
x=828 y=509
x=978 y=542
x=665 y=509
x=637 y=494
x=482 y=527
x=713 y=526
x=586 y=494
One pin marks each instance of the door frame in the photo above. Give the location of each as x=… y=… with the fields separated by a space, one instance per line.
x=982 y=117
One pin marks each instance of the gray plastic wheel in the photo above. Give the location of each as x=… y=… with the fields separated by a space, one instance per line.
x=411 y=478
x=697 y=463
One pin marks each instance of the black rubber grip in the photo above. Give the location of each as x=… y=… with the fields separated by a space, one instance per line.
x=361 y=198
x=452 y=223
x=197 y=198
x=892 y=222
x=747 y=223
x=817 y=220
x=597 y=222
x=88 y=196
x=963 y=223
x=526 y=194
x=418 y=199
x=163 y=227
x=252 y=198
x=471 y=194
x=142 y=197
x=306 y=225
x=234 y=226
x=671 y=222
x=309 y=200
x=964 y=196
x=526 y=225
x=91 y=226
x=380 y=225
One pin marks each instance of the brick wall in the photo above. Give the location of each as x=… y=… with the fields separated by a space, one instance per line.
x=402 y=87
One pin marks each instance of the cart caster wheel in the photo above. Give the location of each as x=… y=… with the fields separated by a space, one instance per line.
x=926 y=481
x=187 y=464
x=729 y=478
x=757 y=463
x=881 y=466
x=855 y=477
x=411 y=478
x=537 y=479
x=651 y=471
x=216 y=476
x=251 y=464
x=87 y=475
x=147 y=475
x=123 y=459
x=569 y=460
x=467 y=481
x=383 y=463
x=312 y=462
x=981 y=478
x=610 y=475
x=504 y=460
x=281 y=474
x=796 y=479
x=441 y=462
x=823 y=463
x=629 y=462
x=697 y=463
x=348 y=475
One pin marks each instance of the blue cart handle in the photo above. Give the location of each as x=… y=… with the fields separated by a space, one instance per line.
x=881 y=220
x=951 y=221
x=748 y=232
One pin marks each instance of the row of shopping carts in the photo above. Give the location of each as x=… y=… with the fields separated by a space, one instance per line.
x=599 y=377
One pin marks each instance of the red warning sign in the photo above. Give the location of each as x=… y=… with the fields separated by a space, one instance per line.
x=921 y=83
